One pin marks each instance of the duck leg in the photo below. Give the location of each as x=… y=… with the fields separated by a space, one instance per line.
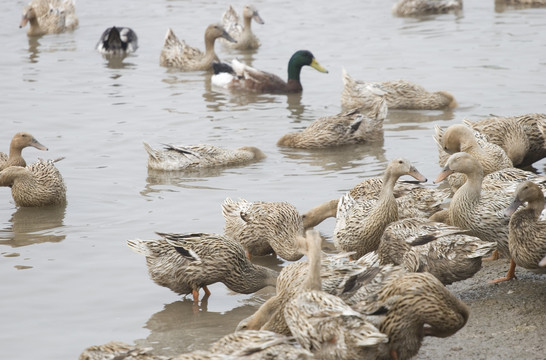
x=207 y=292
x=511 y=274
x=494 y=256
x=394 y=355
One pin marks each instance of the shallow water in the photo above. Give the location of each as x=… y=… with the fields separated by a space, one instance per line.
x=69 y=280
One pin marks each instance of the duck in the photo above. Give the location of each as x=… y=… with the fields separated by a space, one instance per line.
x=479 y=212
x=188 y=262
x=19 y=141
x=242 y=33
x=527 y=231
x=177 y=54
x=413 y=200
x=419 y=244
x=117 y=40
x=360 y=223
x=400 y=94
x=526 y=2
x=460 y=138
x=119 y=350
x=260 y=344
x=49 y=17
x=263 y=227
x=409 y=307
x=239 y=76
x=506 y=131
x=188 y=157
x=349 y=127
x=405 y=8
x=324 y=323
x=35 y=185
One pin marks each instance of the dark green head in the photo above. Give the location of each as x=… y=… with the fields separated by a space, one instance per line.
x=300 y=59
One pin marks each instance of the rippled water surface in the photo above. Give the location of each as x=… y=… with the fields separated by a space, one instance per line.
x=68 y=280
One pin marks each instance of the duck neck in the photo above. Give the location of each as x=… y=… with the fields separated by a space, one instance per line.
x=313 y=281
x=15 y=156
x=209 y=48
x=294 y=70
x=250 y=278
x=471 y=190
x=34 y=27
x=536 y=206
x=389 y=180
x=247 y=24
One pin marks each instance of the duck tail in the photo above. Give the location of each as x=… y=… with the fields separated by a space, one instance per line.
x=170 y=39
x=139 y=246
x=151 y=152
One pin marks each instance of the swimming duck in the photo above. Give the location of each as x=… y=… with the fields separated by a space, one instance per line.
x=187 y=262
x=242 y=33
x=460 y=138
x=244 y=77
x=49 y=17
x=37 y=184
x=19 y=141
x=119 y=350
x=413 y=200
x=117 y=41
x=199 y=156
x=506 y=132
x=350 y=127
x=409 y=307
x=324 y=323
x=426 y=7
x=446 y=252
x=264 y=227
x=400 y=94
x=360 y=223
x=260 y=344
x=479 y=212
x=526 y=2
x=527 y=232
x=176 y=53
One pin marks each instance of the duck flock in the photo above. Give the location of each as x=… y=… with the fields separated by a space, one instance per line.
x=397 y=243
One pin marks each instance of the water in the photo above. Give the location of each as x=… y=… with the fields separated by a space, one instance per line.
x=69 y=280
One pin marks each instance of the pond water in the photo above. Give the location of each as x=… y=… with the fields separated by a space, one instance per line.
x=69 y=281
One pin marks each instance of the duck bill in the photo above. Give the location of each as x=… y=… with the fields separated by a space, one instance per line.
x=315 y=64
x=228 y=37
x=257 y=18
x=24 y=21
x=511 y=209
x=37 y=145
x=417 y=175
x=443 y=175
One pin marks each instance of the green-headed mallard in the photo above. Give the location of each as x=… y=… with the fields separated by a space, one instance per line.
x=264 y=227
x=426 y=7
x=243 y=77
x=400 y=94
x=19 y=141
x=527 y=231
x=187 y=262
x=177 y=54
x=360 y=223
x=118 y=41
x=188 y=157
x=49 y=17
x=37 y=184
x=242 y=33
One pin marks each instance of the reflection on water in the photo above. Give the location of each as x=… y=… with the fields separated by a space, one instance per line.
x=183 y=327
x=416 y=116
x=33 y=45
x=502 y=5
x=31 y=225
x=117 y=62
x=295 y=107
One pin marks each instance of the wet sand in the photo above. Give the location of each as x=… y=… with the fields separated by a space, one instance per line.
x=507 y=320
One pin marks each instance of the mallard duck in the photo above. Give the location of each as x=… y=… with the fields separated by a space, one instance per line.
x=37 y=184
x=324 y=323
x=399 y=94
x=260 y=344
x=446 y=252
x=19 y=141
x=409 y=307
x=350 y=127
x=460 y=138
x=264 y=227
x=413 y=200
x=199 y=156
x=243 y=77
x=176 y=53
x=49 y=17
x=426 y=7
x=360 y=224
x=527 y=233
x=187 y=262
x=503 y=132
x=119 y=350
x=117 y=41
x=479 y=212
x=242 y=33
x=531 y=3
